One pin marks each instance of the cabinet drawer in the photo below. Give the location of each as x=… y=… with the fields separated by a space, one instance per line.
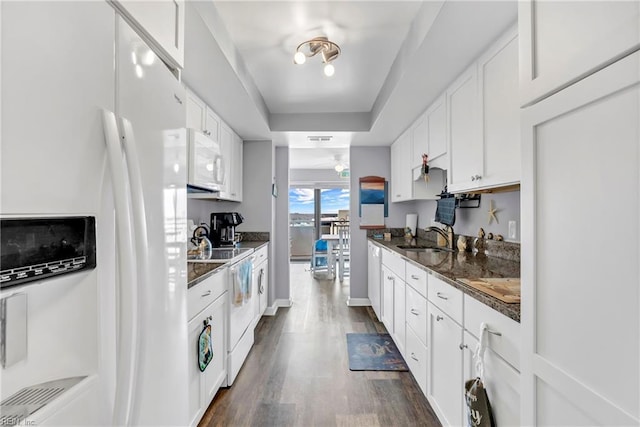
x=416 y=277
x=416 y=313
x=394 y=262
x=416 y=357
x=506 y=345
x=445 y=297
x=261 y=254
x=205 y=292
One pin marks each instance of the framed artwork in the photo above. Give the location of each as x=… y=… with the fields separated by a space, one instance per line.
x=373 y=202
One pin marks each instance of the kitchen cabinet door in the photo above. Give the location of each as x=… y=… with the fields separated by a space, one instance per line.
x=204 y=385
x=232 y=151
x=399 y=314
x=263 y=286
x=561 y=42
x=500 y=111
x=419 y=141
x=374 y=275
x=196 y=112
x=436 y=117
x=159 y=23
x=465 y=142
x=211 y=124
x=388 y=285
x=400 y=168
x=561 y=134
x=445 y=386
x=501 y=381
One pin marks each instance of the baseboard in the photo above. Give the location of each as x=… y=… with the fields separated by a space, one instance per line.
x=271 y=311
x=358 y=302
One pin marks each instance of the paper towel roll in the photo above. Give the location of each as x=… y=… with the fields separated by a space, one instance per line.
x=412 y=222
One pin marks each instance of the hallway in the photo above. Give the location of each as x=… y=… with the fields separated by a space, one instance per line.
x=297 y=373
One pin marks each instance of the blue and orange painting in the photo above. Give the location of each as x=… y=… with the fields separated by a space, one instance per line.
x=372 y=193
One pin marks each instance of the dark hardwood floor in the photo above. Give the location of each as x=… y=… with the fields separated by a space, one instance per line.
x=297 y=373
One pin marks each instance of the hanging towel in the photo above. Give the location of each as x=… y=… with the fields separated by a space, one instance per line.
x=242 y=282
x=446 y=210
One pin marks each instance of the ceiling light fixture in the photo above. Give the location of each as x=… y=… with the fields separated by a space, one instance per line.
x=318 y=45
x=339 y=167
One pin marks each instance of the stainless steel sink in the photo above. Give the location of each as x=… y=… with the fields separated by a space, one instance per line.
x=221 y=255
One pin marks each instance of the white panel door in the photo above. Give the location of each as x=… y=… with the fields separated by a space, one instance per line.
x=374 y=278
x=211 y=124
x=400 y=168
x=580 y=171
x=563 y=41
x=419 y=141
x=399 y=323
x=195 y=112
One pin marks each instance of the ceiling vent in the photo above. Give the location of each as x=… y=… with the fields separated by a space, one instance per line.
x=319 y=138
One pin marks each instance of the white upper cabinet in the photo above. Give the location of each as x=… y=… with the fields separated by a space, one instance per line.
x=498 y=77
x=419 y=141
x=201 y=117
x=465 y=144
x=401 y=168
x=436 y=122
x=159 y=23
x=232 y=153
x=561 y=42
x=484 y=125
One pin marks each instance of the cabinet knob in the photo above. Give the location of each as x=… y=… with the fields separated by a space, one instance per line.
x=463 y=346
x=206 y=294
x=414 y=277
x=413 y=356
x=439 y=318
x=439 y=295
x=473 y=178
x=414 y=311
x=478 y=177
x=398 y=195
x=178 y=100
x=389 y=277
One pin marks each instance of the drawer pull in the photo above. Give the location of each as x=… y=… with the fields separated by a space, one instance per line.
x=439 y=295
x=439 y=318
x=414 y=311
x=494 y=332
x=206 y=294
x=413 y=356
x=390 y=278
x=463 y=346
x=414 y=277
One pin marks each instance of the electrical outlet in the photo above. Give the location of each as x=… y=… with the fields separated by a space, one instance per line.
x=512 y=230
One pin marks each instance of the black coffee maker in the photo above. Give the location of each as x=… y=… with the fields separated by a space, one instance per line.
x=223 y=228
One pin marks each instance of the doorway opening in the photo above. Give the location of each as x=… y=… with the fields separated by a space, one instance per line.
x=312 y=213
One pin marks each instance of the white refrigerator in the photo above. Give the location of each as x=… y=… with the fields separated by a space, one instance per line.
x=92 y=123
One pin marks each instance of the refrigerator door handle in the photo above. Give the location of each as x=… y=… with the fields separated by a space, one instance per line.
x=127 y=347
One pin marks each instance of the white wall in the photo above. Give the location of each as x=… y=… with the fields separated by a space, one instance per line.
x=369 y=161
x=317 y=178
x=468 y=221
x=280 y=239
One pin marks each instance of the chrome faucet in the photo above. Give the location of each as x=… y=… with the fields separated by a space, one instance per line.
x=447 y=234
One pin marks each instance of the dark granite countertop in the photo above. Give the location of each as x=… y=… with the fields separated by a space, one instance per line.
x=463 y=265
x=198 y=271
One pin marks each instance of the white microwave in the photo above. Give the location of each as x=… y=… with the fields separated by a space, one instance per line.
x=206 y=163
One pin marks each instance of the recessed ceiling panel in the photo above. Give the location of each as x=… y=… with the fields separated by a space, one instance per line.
x=370 y=33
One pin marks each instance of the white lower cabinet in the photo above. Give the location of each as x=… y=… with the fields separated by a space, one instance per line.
x=444 y=376
x=388 y=280
x=204 y=385
x=416 y=358
x=399 y=327
x=501 y=380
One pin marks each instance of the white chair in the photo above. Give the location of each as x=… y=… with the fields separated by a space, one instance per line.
x=343 y=250
x=322 y=259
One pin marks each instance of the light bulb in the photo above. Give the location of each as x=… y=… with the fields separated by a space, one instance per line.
x=329 y=70
x=299 y=58
x=339 y=168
